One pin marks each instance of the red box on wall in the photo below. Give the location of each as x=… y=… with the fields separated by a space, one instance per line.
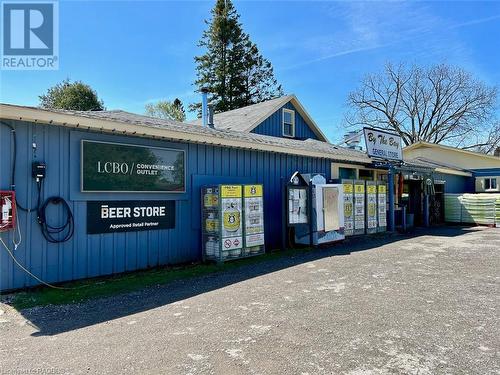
x=8 y=210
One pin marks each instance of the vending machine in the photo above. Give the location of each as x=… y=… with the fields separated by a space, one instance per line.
x=381 y=206
x=232 y=221
x=359 y=207
x=371 y=207
x=327 y=217
x=253 y=210
x=348 y=188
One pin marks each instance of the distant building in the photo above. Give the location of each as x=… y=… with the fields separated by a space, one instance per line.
x=473 y=171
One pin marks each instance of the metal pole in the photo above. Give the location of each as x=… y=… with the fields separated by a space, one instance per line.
x=310 y=210
x=204 y=106
x=403 y=218
x=390 y=181
x=284 y=214
x=426 y=210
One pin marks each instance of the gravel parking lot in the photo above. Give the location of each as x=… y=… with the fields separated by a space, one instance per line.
x=422 y=304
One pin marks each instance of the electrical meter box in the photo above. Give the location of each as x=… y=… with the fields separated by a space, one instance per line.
x=8 y=209
x=371 y=207
x=232 y=221
x=381 y=206
x=327 y=217
x=359 y=207
x=348 y=188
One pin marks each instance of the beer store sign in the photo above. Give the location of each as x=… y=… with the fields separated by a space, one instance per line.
x=129 y=216
x=383 y=145
x=115 y=167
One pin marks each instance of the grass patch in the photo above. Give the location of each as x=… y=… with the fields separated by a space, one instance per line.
x=107 y=286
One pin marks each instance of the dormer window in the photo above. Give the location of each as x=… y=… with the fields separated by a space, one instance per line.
x=288 y=123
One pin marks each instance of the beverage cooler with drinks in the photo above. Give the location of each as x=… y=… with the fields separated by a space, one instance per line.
x=232 y=221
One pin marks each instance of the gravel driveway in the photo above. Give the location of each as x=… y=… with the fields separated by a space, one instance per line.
x=422 y=304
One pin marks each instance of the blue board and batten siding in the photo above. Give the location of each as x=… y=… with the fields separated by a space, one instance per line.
x=273 y=125
x=102 y=254
x=455 y=184
x=486 y=172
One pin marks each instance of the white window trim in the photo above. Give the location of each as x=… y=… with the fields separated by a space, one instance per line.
x=491 y=179
x=292 y=112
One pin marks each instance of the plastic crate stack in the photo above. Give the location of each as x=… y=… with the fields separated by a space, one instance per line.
x=482 y=209
x=497 y=210
x=452 y=208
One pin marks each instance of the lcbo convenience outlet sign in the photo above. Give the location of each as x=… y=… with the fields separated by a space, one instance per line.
x=129 y=216
x=30 y=35
x=116 y=167
x=383 y=145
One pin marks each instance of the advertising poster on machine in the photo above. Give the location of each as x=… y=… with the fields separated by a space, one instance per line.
x=382 y=201
x=348 y=207
x=359 y=207
x=231 y=207
x=254 y=215
x=371 y=207
x=297 y=206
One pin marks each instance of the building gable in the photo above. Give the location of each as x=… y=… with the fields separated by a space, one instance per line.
x=273 y=125
x=267 y=116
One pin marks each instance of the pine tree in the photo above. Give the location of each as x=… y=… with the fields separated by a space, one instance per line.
x=232 y=67
x=180 y=107
x=260 y=83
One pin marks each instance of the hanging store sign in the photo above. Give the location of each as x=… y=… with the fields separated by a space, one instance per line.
x=383 y=145
x=115 y=167
x=129 y=216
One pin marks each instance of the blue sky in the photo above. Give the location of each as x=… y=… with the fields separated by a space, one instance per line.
x=136 y=52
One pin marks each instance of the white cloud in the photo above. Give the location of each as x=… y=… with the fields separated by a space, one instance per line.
x=359 y=27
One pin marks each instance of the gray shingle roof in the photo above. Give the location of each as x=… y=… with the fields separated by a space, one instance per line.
x=247 y=118
x=308 y=144
x=243 y=119
x=250 y=140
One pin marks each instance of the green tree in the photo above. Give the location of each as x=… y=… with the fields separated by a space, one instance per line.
x=167 y=110
x=69 y=95
x=259 y=81
x=232 y=68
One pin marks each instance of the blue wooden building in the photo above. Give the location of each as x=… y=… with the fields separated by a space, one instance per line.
x=464 y=171
x=263 y=143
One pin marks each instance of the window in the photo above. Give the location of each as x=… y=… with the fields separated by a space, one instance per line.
x=366 y=174
x=490 y=183
x=347 y=173
x=288 y=123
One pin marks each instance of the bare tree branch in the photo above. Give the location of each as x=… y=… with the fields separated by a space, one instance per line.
x=440 y=104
